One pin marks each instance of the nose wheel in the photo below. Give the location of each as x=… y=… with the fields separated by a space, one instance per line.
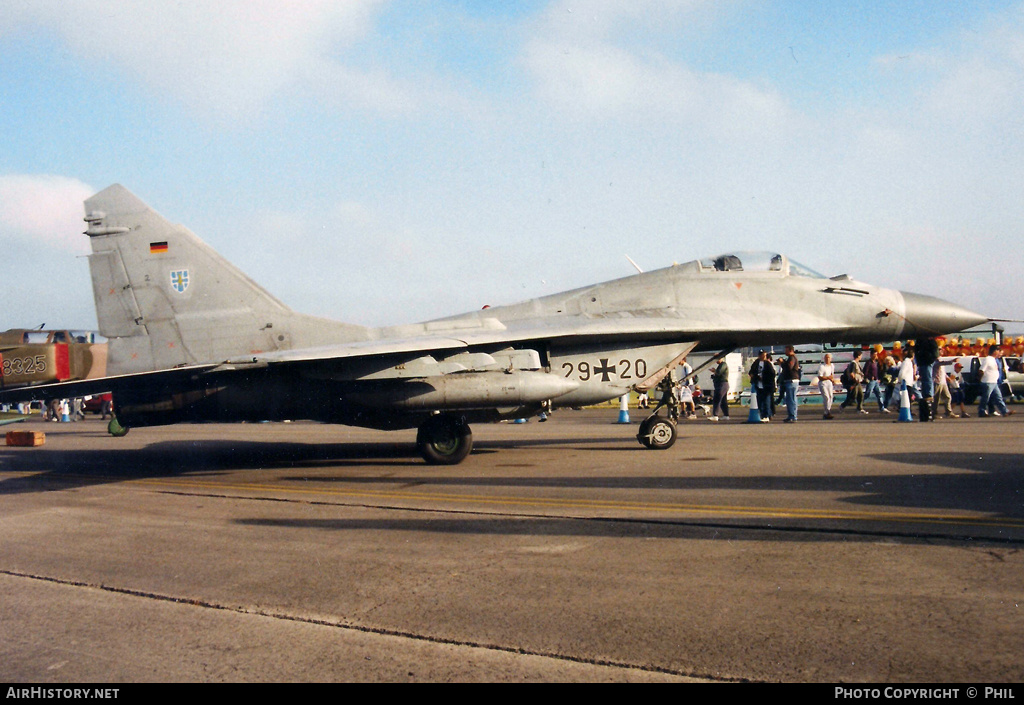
x=656 y=433
x=444 y=440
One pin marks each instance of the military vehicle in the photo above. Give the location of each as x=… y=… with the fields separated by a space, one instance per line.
x=38 y=356
x=191 y=338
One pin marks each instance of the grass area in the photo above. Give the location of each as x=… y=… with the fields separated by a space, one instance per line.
x=4 y=415
x=7 y=418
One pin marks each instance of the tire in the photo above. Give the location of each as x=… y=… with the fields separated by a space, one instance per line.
x=444 y=440
x=656 y=433
x=643 y=434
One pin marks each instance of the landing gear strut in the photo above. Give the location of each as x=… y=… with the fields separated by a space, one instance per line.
x=657 y=433
x=444 y=439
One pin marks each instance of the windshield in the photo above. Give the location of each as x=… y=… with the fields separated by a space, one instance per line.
x=799 y=270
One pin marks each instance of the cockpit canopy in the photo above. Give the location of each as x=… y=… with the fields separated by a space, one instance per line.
x=21 y=336
x=757 y=261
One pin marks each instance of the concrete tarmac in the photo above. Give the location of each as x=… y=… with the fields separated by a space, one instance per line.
x=852 y=550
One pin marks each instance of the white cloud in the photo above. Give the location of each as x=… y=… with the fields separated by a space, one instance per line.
x=581 y=68
x=980 y=89
x=595 y=19
x=374 y=90
x=224 y=59
x=973 y=81
x=44 y=208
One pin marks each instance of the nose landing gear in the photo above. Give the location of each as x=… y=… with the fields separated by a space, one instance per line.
x=657 y=433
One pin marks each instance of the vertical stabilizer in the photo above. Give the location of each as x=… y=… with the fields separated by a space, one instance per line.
x=165 y=298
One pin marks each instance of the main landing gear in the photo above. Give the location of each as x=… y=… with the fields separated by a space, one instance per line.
x=657 y=433
x=444 y=439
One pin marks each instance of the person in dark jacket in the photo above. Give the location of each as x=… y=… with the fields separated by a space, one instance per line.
x=720 y=403
x=790 y=382
x=927 y=354
x=762 y=381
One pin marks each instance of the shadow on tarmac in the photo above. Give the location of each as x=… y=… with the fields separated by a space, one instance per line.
x=175 y=458
x=788 y=530
x=992 y=484
x=61 y=469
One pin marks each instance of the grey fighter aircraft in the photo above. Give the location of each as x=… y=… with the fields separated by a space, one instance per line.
x=191 y=338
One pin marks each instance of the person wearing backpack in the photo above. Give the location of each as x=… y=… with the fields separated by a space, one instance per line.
x=873 y=379
x=853 y=375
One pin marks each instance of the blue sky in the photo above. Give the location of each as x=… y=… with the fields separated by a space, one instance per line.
x=382 y=162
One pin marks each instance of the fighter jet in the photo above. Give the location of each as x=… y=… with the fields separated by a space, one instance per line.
x=191 y=338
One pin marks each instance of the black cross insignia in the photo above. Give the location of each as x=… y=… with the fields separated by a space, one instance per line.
x=604 y=370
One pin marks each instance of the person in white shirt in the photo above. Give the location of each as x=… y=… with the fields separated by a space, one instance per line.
x=988 y=377
x=826 y=383
x=686 y=401
x=907 y=373
x=685 y=372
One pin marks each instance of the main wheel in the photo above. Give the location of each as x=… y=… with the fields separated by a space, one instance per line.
x=656 y=433
x=444 y=440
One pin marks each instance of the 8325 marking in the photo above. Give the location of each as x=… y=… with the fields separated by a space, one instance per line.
x=24 y=365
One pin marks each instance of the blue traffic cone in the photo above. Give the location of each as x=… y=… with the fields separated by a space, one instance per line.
x=624 y=408
x=755 y=414
x=904 y=403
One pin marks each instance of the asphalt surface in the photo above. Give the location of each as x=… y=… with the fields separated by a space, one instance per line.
x=853 y=550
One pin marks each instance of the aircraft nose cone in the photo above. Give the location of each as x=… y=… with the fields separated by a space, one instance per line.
x=927 y=316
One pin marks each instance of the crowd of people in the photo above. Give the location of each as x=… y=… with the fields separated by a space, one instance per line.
x=63 y=409
x=961 y=347
x=915 y=369
x=875 y=376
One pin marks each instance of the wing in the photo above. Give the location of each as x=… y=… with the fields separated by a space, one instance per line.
x=488 y=346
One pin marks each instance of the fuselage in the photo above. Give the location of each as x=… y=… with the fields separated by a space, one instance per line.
x=721 y=308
